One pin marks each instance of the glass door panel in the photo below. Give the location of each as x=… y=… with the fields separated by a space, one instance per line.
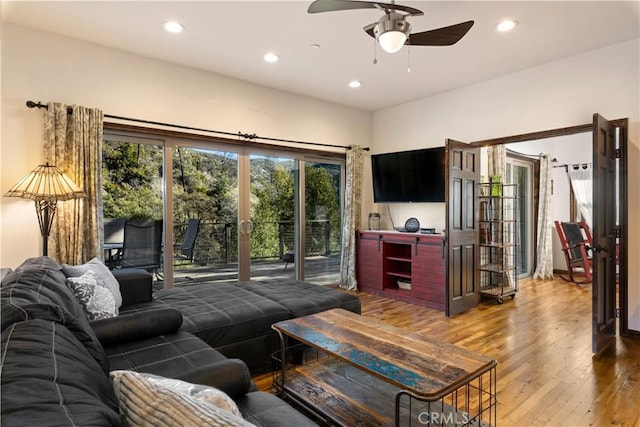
x=272 y=211
x=323 y=233
x=132 y=193
x=521 y=173
x=205 y=215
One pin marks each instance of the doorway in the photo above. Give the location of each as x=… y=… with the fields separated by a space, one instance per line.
x=605 y=136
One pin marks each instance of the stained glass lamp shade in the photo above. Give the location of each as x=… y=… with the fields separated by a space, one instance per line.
x=46 y=185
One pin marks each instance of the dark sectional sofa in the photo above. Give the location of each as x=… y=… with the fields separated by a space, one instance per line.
x=55 y=362
x=236 y=318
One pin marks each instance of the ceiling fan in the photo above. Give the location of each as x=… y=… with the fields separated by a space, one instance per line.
x=392 y=30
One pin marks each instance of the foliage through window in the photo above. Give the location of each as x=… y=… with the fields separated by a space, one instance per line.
x=205 y=186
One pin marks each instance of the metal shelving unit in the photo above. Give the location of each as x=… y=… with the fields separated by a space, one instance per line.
x=499 y=206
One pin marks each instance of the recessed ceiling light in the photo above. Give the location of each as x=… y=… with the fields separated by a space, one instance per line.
x=355 y=84
x=315 y=46
x=506 y=25
x=271 y=57
x=173 y=27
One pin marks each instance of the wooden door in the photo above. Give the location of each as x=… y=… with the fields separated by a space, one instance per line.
x=463 y=278
x=604 y=234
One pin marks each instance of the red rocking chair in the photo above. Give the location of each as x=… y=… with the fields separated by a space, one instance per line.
x=576 y=242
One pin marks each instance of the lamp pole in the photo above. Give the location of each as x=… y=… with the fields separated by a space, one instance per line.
x=45 y=210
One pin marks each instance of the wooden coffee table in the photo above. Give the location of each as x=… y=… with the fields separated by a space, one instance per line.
x=359 y=371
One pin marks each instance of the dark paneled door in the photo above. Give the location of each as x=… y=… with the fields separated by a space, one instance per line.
x=604 y=233
x=463 y=284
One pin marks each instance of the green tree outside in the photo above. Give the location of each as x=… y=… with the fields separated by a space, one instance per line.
x=205 y=186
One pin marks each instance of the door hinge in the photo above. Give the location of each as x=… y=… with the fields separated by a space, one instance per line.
x=618 y=313
x=618 y=232
x=618 y=153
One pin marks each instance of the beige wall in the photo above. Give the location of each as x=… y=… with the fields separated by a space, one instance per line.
x=43 y=67
x=557 y=94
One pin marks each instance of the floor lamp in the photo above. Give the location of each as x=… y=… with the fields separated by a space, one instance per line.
x=46 y=185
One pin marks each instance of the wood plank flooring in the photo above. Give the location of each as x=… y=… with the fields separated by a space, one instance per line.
x=547 y=375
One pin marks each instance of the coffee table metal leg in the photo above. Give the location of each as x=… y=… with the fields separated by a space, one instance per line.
x=279 y=382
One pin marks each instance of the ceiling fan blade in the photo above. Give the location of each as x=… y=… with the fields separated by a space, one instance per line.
x=319 y=6
x=369 y=29
x=445 y=36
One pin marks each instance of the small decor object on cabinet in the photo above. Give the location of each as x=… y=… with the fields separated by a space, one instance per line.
x=374 y=221
x=499 y=239
x=412 y=225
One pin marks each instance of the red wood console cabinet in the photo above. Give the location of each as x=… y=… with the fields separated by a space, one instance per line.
x=405 y=266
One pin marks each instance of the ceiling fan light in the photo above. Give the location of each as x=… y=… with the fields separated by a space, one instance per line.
x=392 y=32
x=392 y=41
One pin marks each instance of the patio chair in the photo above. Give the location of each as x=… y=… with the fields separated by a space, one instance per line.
x=113 y=241
x=288 y=258
x=142 y=246
x=185 y=252
x=575 y=246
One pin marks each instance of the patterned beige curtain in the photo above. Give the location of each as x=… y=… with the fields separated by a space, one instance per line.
x=544 y=248
x=73 y=142
x=351 y=218
x=497 y=165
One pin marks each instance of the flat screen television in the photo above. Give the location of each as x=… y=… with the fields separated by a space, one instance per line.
x=409 y=176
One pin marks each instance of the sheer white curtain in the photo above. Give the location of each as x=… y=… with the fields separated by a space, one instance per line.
x=544 y=248
x=351 y=218
x=582 y=185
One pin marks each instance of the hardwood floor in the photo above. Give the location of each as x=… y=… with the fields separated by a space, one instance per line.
x=547 y=375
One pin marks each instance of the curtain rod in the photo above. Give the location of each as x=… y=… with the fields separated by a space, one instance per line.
x=575 y=166
x=252 y=136
x=534 y=156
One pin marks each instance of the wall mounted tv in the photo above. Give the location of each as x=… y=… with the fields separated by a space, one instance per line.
x=409 y=176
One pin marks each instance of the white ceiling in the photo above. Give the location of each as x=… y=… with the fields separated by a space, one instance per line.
x=231 y=37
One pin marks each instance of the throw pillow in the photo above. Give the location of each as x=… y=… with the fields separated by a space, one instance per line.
x=95 y=299
x=150 y=400
x=103 y=272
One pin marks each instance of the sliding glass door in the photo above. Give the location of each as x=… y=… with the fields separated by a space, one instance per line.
x=133 y=202
x=521 y=173
x=205 y=214
x=323 y=195
x=227 y=212
x=273 y=224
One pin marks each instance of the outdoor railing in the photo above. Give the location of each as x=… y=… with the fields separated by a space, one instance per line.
x=217 y=243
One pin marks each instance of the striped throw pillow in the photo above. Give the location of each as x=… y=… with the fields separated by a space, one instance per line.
x=150 y=400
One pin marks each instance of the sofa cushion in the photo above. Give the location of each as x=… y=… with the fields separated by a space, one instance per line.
x=229 y=375
x=302 y=298
x=136 y=285
x=148 y=402
x=137 y=326
x=90 y=291
x=170 y=355
x=265 y=409
x=219 y=313
x=102 y=271
x=49 y=378
x=37 y=290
